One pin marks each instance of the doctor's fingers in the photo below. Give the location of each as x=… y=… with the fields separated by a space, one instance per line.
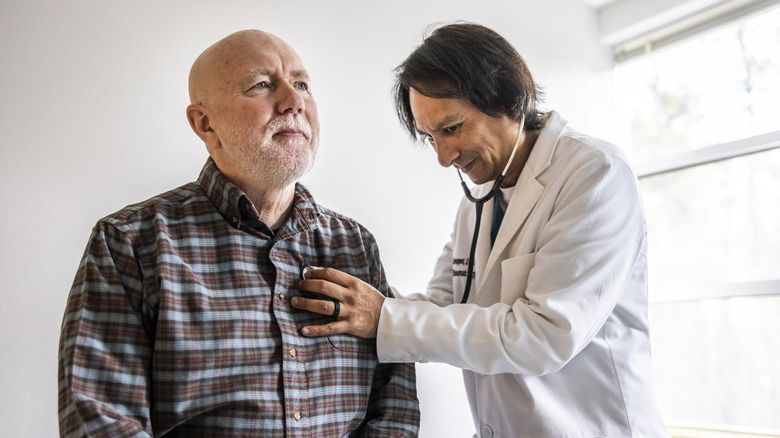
x=334 y=328
x=324 y=307
x=340 y=286
x=324 y=287
x=335 y=276
x=351 y=320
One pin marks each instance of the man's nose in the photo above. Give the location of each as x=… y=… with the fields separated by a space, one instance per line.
x=290 y=99
x=446 y=153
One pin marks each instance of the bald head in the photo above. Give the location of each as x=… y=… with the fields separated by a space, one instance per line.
x=208 y=72
x=251 y=104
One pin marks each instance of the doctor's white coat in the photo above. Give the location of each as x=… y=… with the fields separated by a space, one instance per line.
x=554 y=339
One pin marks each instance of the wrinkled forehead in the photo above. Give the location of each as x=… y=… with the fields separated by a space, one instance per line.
x=232 y=61
x=259 y=51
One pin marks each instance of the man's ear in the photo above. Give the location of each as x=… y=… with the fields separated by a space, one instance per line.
x=199 y=122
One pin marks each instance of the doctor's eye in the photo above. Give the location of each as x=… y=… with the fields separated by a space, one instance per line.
x=262 y=84
x=451 y=129
x=303 y=86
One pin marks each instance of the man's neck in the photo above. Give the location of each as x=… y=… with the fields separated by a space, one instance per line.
x=523 y=152
x=272 y=205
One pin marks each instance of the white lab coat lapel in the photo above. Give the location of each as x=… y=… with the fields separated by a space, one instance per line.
x=526 y=194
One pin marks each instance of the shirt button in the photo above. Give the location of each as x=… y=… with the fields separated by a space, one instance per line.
x=297 y=416
x=291 y=352
x=281 y=297
x=487 y=432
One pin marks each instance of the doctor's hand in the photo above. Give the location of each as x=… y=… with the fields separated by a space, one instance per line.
x=357 y=309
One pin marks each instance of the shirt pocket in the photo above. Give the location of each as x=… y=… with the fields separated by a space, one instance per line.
x=514 y=278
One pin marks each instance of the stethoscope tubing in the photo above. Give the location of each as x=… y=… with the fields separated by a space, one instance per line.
x=479 y=203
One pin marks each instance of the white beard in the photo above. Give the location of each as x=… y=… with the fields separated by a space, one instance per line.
x=277 y=162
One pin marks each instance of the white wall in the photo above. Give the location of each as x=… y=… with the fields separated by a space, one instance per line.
x=92 y=99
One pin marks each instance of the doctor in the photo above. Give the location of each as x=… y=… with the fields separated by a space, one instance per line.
x=547 y=313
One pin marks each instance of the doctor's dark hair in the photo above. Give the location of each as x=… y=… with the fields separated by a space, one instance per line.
x=471 y=62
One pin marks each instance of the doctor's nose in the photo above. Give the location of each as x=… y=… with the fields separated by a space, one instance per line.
x=446 y=154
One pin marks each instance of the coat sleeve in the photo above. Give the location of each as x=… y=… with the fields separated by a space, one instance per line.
x=393 y=409
x=584 y=256
x=104 y=352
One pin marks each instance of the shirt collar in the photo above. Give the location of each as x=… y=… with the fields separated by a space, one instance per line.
x=236 y=208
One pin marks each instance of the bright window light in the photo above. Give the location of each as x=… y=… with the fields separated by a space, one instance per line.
x=714 y=225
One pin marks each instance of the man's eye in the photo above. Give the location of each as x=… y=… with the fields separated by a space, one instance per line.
x=303 y=86
x=430 y=140
x=451 y=129
x=262 y=84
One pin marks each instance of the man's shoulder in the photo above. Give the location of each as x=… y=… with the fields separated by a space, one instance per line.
x=325 y=215
x=334 y=216
x=334 y=220
x=187 y=199
x=331 y=214
x=575 y=149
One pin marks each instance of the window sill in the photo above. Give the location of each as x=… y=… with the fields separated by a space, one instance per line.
x=704 y=432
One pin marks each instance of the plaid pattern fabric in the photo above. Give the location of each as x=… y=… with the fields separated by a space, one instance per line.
x=179 y=324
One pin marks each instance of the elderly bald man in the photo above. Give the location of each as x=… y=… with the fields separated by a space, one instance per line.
x=179 y=320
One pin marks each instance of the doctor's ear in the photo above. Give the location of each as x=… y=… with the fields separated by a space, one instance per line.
x=201 y=125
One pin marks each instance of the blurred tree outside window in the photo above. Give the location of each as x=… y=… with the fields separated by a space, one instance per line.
x=713 y=219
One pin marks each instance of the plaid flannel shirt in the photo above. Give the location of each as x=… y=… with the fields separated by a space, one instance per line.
x=179 y=324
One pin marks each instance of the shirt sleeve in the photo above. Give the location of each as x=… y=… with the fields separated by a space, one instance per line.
x=585 y=255
x=393 y=409
x=105 y=350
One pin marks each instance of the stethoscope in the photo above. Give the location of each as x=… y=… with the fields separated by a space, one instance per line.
x=479 y=203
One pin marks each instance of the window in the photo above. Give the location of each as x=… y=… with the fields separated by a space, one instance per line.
x=700 y=117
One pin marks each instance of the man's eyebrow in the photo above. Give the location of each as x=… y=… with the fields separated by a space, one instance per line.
x=443 y=123
x=295 y=74
x=258 y=72
x=420 y=132
x=300 y=74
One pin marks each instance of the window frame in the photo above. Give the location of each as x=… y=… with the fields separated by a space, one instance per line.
x=666 y=35
x=673 y=32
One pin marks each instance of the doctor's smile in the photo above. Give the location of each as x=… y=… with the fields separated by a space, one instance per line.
x=467 y=168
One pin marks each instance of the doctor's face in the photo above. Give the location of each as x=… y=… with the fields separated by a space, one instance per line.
x=464 y=137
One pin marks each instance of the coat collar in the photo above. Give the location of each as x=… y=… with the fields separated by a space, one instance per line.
x=527 y=192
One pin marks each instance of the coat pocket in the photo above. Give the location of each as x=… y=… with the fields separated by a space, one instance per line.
x=514 y=278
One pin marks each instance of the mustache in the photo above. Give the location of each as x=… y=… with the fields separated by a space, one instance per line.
x=290 y=123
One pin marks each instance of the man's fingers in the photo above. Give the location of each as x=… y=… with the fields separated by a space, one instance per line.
x=331 y=275
x=324 y=307
x=360 y=304
x=333 y=328
x=323 y=287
